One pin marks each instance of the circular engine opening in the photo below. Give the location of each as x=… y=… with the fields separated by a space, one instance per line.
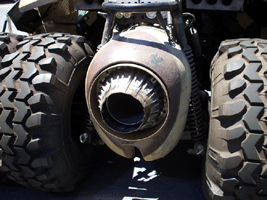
x=125 y=109
x=130 y=99
x=115 y=118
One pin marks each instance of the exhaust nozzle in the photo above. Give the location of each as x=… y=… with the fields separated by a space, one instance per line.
x=131 y=100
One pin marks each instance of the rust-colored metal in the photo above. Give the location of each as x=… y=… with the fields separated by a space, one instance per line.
x=147 y=49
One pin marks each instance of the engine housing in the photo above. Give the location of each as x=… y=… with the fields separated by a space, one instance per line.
x=141 y=70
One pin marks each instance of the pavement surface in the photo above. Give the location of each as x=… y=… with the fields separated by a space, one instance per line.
x=176 y=177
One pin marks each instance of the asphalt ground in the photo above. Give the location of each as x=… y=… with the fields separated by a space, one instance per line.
x=176 y=177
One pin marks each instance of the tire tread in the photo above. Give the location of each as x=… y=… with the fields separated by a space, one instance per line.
x=236 y=150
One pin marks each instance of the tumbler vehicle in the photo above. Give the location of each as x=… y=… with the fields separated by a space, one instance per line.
x=137 y=75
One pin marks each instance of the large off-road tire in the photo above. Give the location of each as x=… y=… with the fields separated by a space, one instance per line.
x=42 y=94
x=8 y=43
x=237 y=147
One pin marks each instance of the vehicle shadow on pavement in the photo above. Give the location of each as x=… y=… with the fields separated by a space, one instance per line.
x=177 y=176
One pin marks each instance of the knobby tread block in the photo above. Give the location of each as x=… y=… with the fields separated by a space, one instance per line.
x=9 y=80
x=27 y=47
x=224 y=160
x=232 y=133
x=40 y=36
x=5 y=120
x=248 y=44
x=229 y=183
x=246 y=173
x=47 y=42
x=38 y=54
x=233 y=69
x=22 y=43
x=8 y=46
x=39 y=99
x=249 y=55
x=34 y=144
x=249 y=146
x=36 y=120
x=5 y=143
x=48 y=64
x=25 y=91
x=234 y=51
x=230 y=161
x=237 y=86
x=65 y=40
x=78 y=39
x=31 y=71
x=4 y=72
x=57 y=35
x=232 y=109
x=250 y=72
x=58 y=48
x=48 y=78
x=7 y=98
x=22 y=112
x=250 y=119
x=251 y=94
x=17 y=61
x=22 y=136
x=7 y=60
